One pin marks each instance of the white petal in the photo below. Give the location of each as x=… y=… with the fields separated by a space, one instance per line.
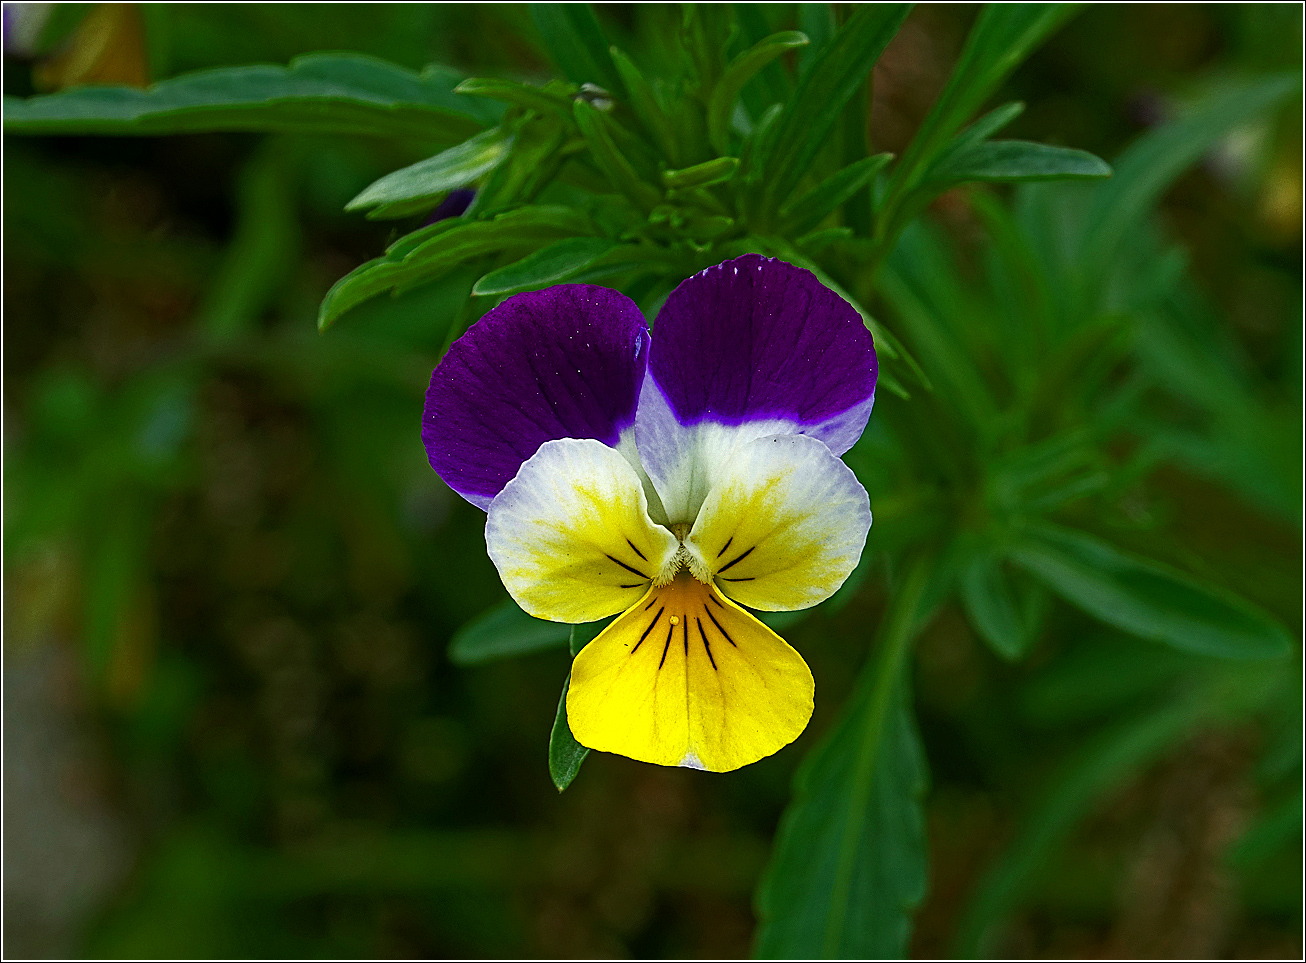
x=684 y=462
x=570 y=534
x=783 y=526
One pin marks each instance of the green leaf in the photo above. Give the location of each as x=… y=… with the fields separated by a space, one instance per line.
x=565 y=753
x=504 y=631
x=989 y=124
x=737 y=74
x=839 y=72
x=433 y=251
x=992 y=608
x=1103 y=765
x=317 y=93
x=1147 y=168
x=1003 y=36
x=1148 y=599
x=417 y=187
x=849 y=862
x=536 y=154
x=611 y=161
x=586 y=632
x=543 y=100
x=802 y=215
x=647 y=105
x=716 y=171
x=577 y=45
x=548 y=265
x=1017 y=160
x=264 y=250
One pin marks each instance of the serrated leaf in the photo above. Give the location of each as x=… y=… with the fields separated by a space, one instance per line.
x=502 y=632
x=1017 y=160
x=317 y=93
x=841 y=68
x=417 y=187
x=548 y=265
x=577 y=45
x=849 y=863
x=737 y=74
x=565 y=753
x=1146 y=598
x=804 y=213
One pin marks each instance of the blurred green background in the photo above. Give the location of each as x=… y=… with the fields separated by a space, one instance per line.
x=231 y=726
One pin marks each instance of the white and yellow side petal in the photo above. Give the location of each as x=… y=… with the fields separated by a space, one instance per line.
x=688 y=678
x=571 y=536
x=783 y=525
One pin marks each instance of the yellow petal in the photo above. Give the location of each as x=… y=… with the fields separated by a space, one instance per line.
x=783 y=525
x=570 y=534
x=687 y=678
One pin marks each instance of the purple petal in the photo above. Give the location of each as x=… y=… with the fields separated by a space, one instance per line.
x=566 y=362
x=757 y=339
x=455 y=204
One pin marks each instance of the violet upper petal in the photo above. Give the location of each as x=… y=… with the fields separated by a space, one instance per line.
x=757 y=339
x=566 y=362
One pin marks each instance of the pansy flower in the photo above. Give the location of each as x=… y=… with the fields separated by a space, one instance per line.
x=673 y=479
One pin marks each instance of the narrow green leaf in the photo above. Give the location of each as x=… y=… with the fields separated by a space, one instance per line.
x=1148 y=599
x=577 y=45
x=840 y=70
x=772 y=84
x=737 y=74
x=417 y=187
x=1104 y=764
x=1017 y=160
x=548 y=265
x=1003 y=36
x=716 y=171
x=511 y=92
x=817 y=21
x=263 y=251
x=849 y=862
x=1150 y=165
x=989 y=124
x=565 y=753
x=536 y=154
x=504 y=631
x=317 y=93
x=805 y=213
x=647 y=105
x=614 y=164
x=586 y=632
x=992 y=608
x=433 y=251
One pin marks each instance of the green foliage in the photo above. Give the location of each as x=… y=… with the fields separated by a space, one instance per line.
x=1149 y=600
x=850 y=864
x=316 y=94
x=504 y=630
x=1056 y=380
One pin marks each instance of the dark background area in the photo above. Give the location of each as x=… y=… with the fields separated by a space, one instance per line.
x=231 y=728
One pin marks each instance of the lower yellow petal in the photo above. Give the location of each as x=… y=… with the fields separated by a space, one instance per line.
x=687 y=678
